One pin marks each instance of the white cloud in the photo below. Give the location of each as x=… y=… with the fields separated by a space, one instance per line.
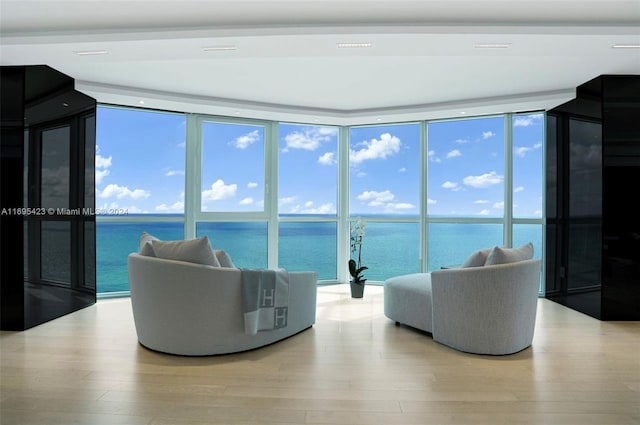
x=402 y=170
x=483 y=181
x=462 y=141
x=384 y=200
x=100 y=175
x=120 y=192
x=327 y=158
x=102 y=162
x=182 y=145
x=376 y=199
x=450 y=185
x=431 y=201
x=526 y=121
x=480 y=201
x=454 y=153
x=375 y=149
x=288 y=200
x=487 y=134
x=175 y=207
x=174 y=173
x=246 y=140
x=219 y=191
x=432 y=156
x=101 y=166
x=484 y=212
x=247 y=201
x=361 y=174
x=498 y=205
x=400 y=206
x=309 y=208
x=518 y=189
x=310 y=139
x=252 y=185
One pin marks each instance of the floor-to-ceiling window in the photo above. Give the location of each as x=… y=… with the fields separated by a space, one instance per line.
x=528 y=180
x=139 y=179
x=308 y=198
x=465 y=188
x=232 y=205
x=277 y=194
x=384 y=191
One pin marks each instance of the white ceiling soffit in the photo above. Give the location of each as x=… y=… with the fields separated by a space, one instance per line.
x=280 y=60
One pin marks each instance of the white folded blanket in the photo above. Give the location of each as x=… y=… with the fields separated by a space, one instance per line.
x=265 y=296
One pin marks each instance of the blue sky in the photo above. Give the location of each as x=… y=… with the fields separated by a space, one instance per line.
x=140 y=164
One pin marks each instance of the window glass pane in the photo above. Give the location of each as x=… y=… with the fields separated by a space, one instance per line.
x=466 y=168
x=308 y=170
x=584 y=265
x=389 y=249
x=55 y=258
x=139 y=162
x=528 y=134
x=89 y=162
x=116 y=240
x=89 y=255
x=525 y=233
x=56 y=145
x=232 y=167
x=384 y=170
x=551 y=167
x=451 y=243
x=245 y=241
x=308 y=246
x=585 y=169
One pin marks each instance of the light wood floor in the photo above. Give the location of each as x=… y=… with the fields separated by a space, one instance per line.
x=353 y=367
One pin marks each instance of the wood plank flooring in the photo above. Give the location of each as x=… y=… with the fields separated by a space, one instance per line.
x=353 y=367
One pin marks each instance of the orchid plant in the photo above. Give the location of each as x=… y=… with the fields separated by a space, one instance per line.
x=355 y=267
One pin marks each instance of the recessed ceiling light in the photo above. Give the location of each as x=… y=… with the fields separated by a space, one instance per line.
x=626 y=46
x=493 y=45
x=141 y=102
x=219 y=48
x=90 y=52
x=353 y=45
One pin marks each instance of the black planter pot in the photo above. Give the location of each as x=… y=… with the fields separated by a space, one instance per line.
x=357 y=289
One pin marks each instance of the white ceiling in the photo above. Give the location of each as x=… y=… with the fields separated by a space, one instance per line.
x=423 y=62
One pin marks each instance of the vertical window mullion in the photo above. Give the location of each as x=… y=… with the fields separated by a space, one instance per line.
x=508 y=180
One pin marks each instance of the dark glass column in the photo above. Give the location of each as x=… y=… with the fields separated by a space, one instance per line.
x=47 y=226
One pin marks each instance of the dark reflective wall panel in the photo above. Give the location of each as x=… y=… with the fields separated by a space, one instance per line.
x=621 y=174
x=47 y=260
x=593 y=166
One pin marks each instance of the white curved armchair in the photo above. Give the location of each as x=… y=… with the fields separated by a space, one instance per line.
x=192 y=309
x=486 y=310
x=482 y=310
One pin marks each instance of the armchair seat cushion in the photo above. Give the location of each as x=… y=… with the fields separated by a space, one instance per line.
x=407 y=300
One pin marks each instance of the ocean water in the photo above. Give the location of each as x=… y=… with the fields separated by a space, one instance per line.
x=389 y=249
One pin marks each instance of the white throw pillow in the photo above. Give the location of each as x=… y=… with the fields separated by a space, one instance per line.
x=192 y=250
x=223 y=258
x=144 y=246
x=500 y=255
x=477 y=259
